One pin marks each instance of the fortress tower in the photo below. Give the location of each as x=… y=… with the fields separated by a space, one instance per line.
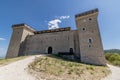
x=91 y=50
x=17 y=40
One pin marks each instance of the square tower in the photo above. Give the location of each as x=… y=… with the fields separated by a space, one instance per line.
x=20 y=32
x=91 y=50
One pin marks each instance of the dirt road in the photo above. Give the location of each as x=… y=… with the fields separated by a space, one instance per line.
x=115 y=75
x=16 y=70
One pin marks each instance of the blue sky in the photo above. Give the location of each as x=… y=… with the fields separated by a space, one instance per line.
x=39 y=13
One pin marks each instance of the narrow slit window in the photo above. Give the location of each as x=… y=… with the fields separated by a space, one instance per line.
x=90 y=40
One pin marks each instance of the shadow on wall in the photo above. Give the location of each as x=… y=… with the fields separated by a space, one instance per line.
x=71 y=58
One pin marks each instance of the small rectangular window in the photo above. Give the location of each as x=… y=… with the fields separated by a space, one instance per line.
x=84 y=29
x=90 y=19
x=89 y=46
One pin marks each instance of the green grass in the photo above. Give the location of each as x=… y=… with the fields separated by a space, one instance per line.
x=70 y=70
x=113 y=58
x=7 y=61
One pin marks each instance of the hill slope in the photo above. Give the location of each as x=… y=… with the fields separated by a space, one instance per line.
x=56 y=68
x=112 y=51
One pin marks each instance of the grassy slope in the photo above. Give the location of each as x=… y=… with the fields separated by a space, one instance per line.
x=55 y=68
x=7 y=61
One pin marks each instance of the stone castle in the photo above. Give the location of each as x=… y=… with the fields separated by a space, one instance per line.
x=84 y=42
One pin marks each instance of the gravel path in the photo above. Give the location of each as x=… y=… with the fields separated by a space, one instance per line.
x=16 y=70
x=115 y=75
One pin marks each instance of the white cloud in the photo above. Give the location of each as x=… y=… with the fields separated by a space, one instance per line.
x=64 y=17
x=2 y=39
x=53 y=24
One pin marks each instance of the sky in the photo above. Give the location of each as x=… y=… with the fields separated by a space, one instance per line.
x=51 y=14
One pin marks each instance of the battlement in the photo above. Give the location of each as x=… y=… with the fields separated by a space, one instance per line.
x=87 y=13
x=53 y=30
x=17 y=25
x=23 y=25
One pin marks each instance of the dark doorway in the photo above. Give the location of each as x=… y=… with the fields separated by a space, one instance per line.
x=71 y=50
x=49 y=50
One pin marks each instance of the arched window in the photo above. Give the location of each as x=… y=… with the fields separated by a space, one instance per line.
x=90 y=40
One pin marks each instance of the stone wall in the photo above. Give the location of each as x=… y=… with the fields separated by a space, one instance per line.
x=59 y=41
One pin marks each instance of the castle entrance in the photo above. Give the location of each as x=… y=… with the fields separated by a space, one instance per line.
x=49 y=50
x=71 y=50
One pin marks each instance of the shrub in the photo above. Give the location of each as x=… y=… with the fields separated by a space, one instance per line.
x=113 y=58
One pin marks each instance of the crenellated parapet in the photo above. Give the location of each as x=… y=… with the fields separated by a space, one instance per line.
x=23 y=25
x=53 y=30
x=87 y=13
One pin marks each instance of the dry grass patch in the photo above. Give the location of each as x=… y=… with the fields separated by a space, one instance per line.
x=55 y=68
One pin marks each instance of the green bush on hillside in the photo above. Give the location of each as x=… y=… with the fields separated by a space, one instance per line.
x=113 y=58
